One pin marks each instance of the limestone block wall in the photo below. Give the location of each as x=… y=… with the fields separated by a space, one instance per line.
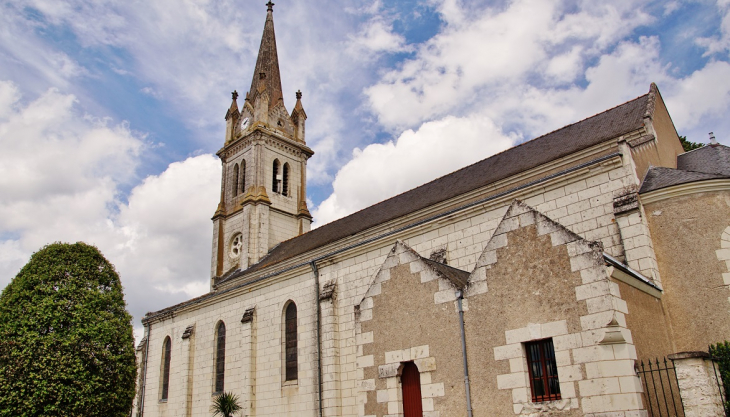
x=253 y=353
x=581 y=200
x=534 y=281
x=281 y=227
x=400 y=319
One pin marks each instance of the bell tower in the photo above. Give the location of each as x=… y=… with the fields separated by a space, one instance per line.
x=264 y=159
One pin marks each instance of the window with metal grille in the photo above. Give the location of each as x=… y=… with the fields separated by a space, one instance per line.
x=543 y=370
x=290 y=344
x=275 y=179
x=220 y=358
x=235 y=180
x=285 y=181
x=166 y=348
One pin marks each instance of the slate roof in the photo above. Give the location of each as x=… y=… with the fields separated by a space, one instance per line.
x=456 y=276
x=709 y=162
x=268 y=63
x=610 y=124
x=659 y=177
x=710 y=159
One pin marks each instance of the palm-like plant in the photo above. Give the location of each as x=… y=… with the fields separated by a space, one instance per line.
x=225 y=405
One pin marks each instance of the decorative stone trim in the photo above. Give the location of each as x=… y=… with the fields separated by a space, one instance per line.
x=248 y=315
x=188 y=332
x=604 y=373
x=391 y=372
x=328 y=292
x=518 y=379
x=626 y=200
x=723 y=255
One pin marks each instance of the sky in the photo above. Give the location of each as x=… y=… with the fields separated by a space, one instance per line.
x=111 y=111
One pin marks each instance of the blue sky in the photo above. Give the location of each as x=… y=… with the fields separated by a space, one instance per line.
x=111 y=111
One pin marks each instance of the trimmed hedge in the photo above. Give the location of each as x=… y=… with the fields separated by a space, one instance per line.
x=66 y=343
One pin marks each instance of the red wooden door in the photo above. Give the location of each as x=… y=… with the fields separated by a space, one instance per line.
x=411 y=381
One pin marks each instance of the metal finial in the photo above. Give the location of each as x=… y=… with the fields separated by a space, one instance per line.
x=234 y=94
x=299 y=95
x=713 y=141
x=270 y=6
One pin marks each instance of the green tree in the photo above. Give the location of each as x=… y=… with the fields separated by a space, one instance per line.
x=66 y=344
x=721 y=353
x=225 y=405
x=688 y=146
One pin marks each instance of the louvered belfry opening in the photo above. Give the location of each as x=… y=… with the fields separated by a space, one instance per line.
x=235 y=180
x=411 y=382
x=292 y=372
x=220 y=358
x=275 y=180
x=166 y=350
x=285 y=181
x=543 y=371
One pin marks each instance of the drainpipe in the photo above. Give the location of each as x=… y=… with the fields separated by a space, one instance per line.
x=140 y=412
x=459 y=298
x=315 y=271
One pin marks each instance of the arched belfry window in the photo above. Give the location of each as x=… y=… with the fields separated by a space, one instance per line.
x=220 y=357
x=290 y=344
x=165 y=371
x=411 y=383
x=235 y=180
x=285 y=181
x=243 y=176
x=275 y=177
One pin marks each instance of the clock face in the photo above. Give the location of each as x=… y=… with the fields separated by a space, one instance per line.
x=244 y=123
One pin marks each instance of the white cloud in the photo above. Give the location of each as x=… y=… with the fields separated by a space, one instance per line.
x=60 y=172
x=381 y=171
x=376 y=36
x=720 y=42
x=528 y=41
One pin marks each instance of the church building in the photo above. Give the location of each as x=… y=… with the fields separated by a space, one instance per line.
x=532 y=282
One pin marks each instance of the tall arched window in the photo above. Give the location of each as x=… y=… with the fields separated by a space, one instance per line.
x=243 y=176
x=235 y=180
x=275 y=180
x=165 y=371
x=290 y=343
x=411 y=382
x=220 y=357
x=285 y=181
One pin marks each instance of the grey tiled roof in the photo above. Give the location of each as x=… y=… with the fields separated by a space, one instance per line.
x=659 y=177
x=610 y=124
x=458 y=277
x=710 y=159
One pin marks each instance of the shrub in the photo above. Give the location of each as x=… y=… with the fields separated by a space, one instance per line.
x=66 y=344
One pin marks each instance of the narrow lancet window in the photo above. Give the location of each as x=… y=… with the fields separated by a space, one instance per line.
x=220 y=357
x=235 y=180
x=290 y=345
x=285 y=181
x=243 y=176
x=276 y=178
x=166 y=349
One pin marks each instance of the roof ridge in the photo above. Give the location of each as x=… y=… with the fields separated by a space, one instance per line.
x=482 y=160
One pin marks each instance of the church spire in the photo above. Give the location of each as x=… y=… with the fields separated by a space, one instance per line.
x=268 y=62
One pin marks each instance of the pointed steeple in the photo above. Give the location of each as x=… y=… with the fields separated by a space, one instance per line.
x=268 y=62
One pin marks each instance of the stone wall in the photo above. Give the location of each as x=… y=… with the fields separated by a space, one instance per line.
x=581 y=200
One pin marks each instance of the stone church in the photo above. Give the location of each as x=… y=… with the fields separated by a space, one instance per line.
x=527 y=283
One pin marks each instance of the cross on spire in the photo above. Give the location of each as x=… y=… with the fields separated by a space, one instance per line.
x=234 y=94
x=270 y=6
